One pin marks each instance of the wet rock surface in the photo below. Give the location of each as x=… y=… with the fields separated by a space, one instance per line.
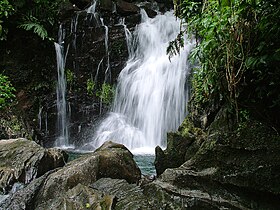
x=126 y=8
x=110 y=160
x=81 y=197
x=22 y=161
x=238 y=171
x=24 y=198
x=181 y=146
x=127 y=196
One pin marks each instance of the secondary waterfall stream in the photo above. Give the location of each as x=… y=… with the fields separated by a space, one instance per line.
x=62 y=118
x=151 y=94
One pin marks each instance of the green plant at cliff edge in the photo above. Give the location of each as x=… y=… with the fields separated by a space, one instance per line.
x=6 y=92
x=90 y=87
x=106 y=94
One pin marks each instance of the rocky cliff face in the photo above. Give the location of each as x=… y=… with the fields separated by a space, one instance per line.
x=96 y=47
x=218 y=169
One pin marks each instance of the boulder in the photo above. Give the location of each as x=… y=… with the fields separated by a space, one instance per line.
x=127 y=196
x=22 y=161
x=247 y=158
x=150 y=12
x=24 y=198
x=181 y=146
x=116 y=161
x=125 y=8
x=110 y=160
x=238 y=170
x=82 y=197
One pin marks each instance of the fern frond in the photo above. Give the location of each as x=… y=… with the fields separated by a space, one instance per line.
x=36 y=28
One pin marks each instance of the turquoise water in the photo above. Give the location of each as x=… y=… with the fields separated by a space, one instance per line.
x=146 y=164
x=73 y=155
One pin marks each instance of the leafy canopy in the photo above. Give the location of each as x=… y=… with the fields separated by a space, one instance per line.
x=237 y=53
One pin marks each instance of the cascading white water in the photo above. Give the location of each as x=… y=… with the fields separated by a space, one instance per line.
x=92 y=7
x=62 y=122
x=128 y=37
x=151 y=94
x=107 y=71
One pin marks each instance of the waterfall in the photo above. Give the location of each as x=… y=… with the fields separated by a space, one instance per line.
x=92 y=8
x=40 y=118
x=107 y=71
x=128 y=37
x=62 y=118
x=151 y=94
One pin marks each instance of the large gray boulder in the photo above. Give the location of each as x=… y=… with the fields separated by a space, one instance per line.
x=81 y=197
x=22 y=161
x=110 y=160
x=126 y=196
x=24 y=198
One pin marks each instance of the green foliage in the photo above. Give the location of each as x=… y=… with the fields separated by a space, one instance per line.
x=6 y=92
x=237 y=51
x=36 y=28
x=106 y=93
x=6 y=9
x=37 y=16
x=175 y=45
x=70 y=77
x=244 y=119
x=90 y=87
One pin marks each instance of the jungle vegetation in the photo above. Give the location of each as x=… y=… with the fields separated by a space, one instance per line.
x=237 y=57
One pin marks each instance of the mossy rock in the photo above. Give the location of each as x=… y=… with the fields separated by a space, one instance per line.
x=181 y=146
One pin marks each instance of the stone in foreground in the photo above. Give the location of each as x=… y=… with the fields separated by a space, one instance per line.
x=22 y=161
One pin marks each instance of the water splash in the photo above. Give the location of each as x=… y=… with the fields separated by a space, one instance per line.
x=151 y=95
